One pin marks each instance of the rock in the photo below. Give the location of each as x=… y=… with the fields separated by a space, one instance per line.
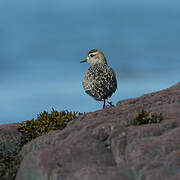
x=10 y=139
x=100 y=146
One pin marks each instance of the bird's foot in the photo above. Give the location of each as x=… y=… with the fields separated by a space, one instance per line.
x=110 y=104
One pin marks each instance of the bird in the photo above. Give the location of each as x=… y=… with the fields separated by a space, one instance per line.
x=100 y=79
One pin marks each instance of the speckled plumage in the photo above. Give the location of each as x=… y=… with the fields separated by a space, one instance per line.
x=100 y=79
x=100 y=82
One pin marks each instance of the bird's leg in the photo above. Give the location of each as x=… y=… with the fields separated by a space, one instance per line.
x=110 y=103
x=104 y=105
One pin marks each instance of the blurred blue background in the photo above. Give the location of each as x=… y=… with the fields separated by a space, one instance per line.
x=42 y=43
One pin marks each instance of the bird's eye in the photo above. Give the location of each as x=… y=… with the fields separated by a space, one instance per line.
x=92 y=55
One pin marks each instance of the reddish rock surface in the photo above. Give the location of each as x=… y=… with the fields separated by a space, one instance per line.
x=100 y=146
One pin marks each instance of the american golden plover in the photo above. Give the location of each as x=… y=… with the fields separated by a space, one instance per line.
x=100 y=79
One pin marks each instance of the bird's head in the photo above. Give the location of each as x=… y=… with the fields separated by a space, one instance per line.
x=95 y=56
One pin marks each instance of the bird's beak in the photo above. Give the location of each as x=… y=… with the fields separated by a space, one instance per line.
x=83 y=61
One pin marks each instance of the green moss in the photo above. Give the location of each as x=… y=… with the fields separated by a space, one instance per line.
x=145 y=117
x=44 y=123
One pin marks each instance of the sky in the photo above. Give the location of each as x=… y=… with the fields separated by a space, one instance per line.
x=42 y=43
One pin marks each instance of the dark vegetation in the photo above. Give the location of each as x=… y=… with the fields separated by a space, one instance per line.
x=145 y=117
x=44 y=123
